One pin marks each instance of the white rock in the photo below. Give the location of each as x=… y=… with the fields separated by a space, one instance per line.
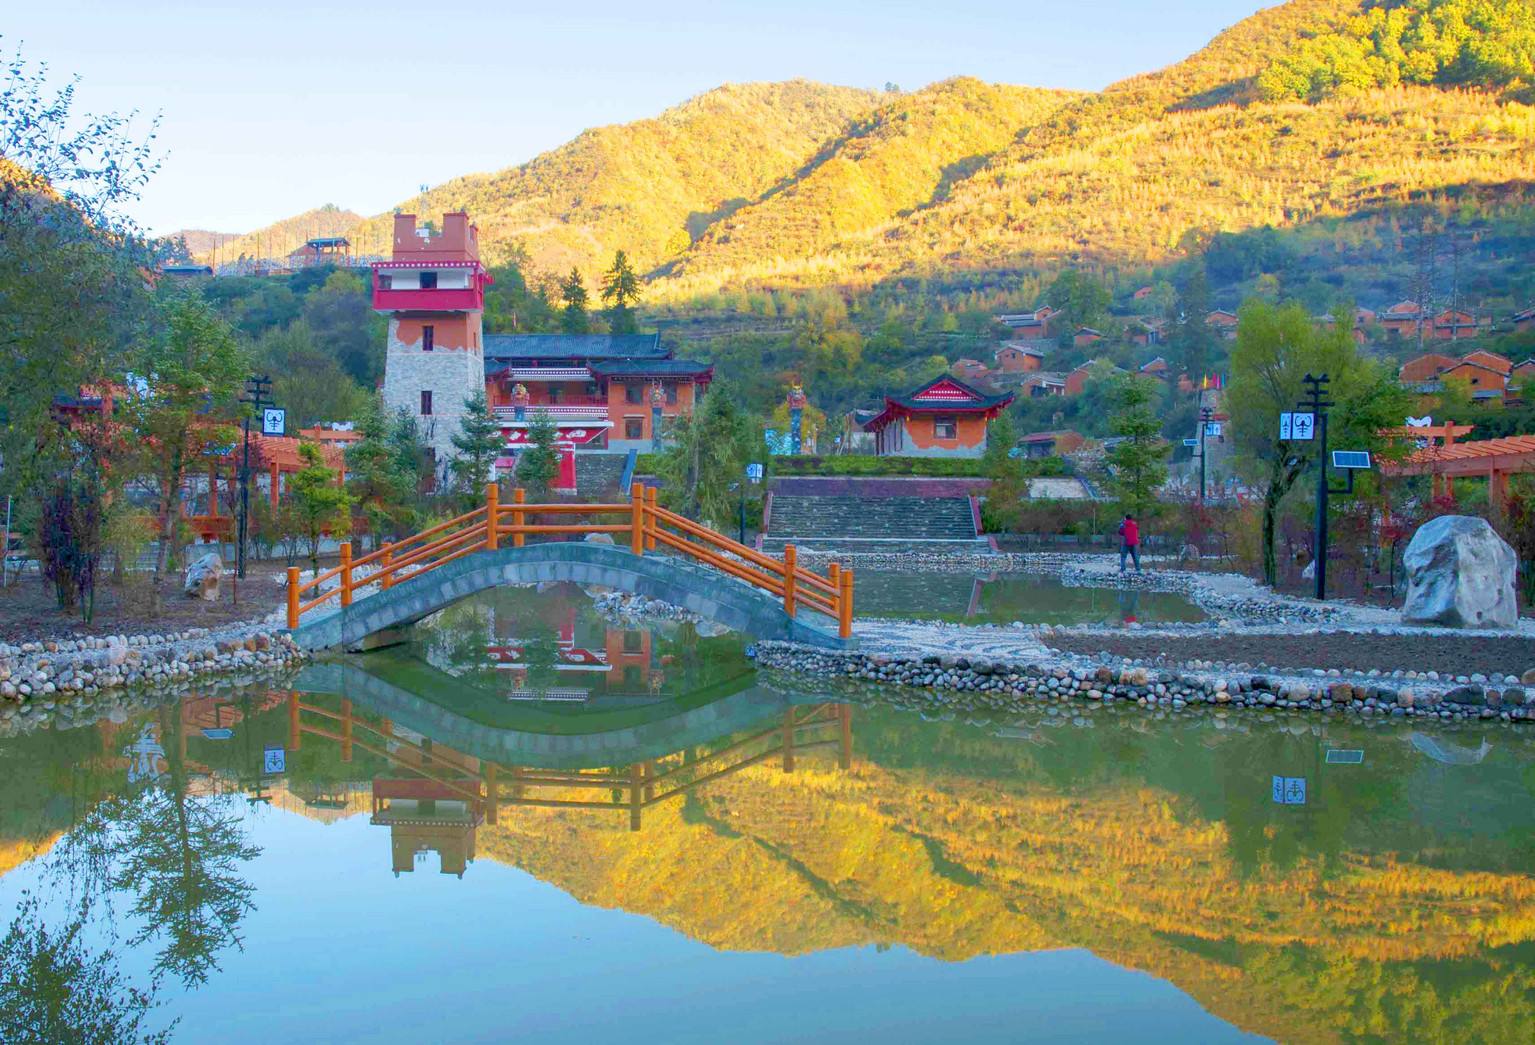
x=1460 y=573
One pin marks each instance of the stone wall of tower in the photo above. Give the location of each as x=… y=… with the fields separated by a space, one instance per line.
x=452 y=375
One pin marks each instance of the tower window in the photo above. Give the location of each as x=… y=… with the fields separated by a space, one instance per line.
x=634 y=428
x=426 y=402
x=386 y=282
x=945 y=426
x=632 y=394
x=428 y=281
x=428 y=338
x=671 y=394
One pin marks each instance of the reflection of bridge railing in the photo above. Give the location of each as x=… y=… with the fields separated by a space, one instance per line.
x=486 y=786
x=648 y=526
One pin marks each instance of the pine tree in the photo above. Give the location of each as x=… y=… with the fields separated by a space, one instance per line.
x=573 y=317
x=1138 y=462
x=383 y=485
x=620 y=292
x=539 y=463
x=317 y=504
x=478 y=442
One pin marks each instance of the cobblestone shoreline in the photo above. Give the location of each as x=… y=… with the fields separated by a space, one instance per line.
x=46 y=673
x=995 y=684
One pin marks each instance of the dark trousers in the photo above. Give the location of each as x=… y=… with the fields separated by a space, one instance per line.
x=1134 y=552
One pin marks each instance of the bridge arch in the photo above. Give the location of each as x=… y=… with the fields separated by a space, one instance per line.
x=672 y=580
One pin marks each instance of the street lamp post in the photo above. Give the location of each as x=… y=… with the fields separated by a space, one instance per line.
x=1316 y=389
x=753 y=476
x=256 y=389
x=1205 y=413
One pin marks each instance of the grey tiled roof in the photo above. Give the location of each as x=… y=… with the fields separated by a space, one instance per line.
x=574 y=346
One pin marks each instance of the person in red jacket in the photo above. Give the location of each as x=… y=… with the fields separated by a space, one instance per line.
x=1129 y=542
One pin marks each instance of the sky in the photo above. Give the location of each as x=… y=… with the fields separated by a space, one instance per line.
x=269 y=109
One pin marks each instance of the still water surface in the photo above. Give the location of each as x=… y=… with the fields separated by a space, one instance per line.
x=1001 y=598
x=533 y=823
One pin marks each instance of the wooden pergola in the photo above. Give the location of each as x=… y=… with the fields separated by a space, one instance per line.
x=1446 y=460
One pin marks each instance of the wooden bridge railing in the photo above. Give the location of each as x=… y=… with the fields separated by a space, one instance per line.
x=647 y=524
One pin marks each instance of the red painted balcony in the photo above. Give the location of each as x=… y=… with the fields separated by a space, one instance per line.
x=435 y=300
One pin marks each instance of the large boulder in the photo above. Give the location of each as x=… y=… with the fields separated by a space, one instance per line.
x=203 y=577
x=1460 y=574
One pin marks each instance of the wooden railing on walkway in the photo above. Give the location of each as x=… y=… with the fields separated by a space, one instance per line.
x=647 y=524
x=635 y=787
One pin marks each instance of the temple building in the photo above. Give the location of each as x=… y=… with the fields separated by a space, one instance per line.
x=943 y=418
x=605 y=392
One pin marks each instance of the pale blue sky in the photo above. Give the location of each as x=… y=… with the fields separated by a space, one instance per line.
x=272 y=107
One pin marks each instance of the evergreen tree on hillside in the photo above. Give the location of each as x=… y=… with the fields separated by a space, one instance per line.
x=573 y=316
x=1193 y=342
x=620 y=292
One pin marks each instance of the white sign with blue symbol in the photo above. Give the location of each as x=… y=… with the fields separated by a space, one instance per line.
x=276 y=760
x=1289 y=790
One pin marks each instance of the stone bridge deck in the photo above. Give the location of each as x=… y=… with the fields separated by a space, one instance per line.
x=680 y=582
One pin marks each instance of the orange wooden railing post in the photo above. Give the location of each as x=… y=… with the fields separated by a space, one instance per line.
x=385 y=578
x=492 y=507
x=292 y=596
x=346 y=573
x=845 y=604
x=492 y=794
x=790 y=556
x=655 y=520
x=518 y=496
x=635 y=784
x=637 y=519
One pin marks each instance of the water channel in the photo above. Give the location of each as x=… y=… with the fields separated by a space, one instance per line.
x=531 y=822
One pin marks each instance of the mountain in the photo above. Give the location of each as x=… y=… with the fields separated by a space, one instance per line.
x=1301 y=114
x=203 y=242
x=1120 y=178
x=902 y=157
x=649 y=187
x=278 y=239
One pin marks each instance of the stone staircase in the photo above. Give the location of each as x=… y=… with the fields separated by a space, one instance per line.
x=871 y=524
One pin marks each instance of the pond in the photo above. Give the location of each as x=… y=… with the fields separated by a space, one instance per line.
x=533 y=823
x=1002 y=598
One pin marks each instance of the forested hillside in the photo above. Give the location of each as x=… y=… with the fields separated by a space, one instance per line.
x=1119 y=179
x=905 y=155
x=649 y=187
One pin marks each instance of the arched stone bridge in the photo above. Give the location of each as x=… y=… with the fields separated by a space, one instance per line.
x=671 y=579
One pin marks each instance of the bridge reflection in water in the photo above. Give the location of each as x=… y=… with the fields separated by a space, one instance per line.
x=433 y=797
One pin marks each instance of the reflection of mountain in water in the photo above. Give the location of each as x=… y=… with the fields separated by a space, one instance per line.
x=1368 y=913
